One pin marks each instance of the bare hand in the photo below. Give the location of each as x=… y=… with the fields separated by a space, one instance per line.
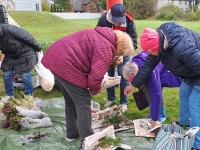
x=154 y=123
x=120 y=60
x=128 y=90
x=2 y=57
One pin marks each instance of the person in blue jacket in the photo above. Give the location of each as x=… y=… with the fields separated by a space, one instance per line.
x=118 y=18
x=159 y=78
x=178 y=48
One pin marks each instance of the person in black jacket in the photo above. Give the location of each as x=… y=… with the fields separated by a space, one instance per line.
x=3 y=14
x=178 y=48
x=19 y=48
x=118 y=19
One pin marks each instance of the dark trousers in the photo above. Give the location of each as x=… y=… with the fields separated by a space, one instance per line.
x=77 y=109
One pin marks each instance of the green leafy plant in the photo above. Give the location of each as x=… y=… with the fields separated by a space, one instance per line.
x=9 y=110
x=116 y=120
x=108 y=141
x=15 y=123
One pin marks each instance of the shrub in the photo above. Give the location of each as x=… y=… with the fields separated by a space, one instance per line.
x=191 y=16
x=141 y=9
x=169 y=12
x=46 y=6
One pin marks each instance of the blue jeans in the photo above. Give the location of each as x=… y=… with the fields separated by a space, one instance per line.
x=8 y=82
x=123 y=83
x=190 y=108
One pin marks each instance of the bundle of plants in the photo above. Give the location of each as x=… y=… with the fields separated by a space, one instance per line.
x=107 y=143
x=117 y=120
x=12 y=121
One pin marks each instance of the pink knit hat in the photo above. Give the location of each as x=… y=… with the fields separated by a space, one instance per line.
x=149 y=40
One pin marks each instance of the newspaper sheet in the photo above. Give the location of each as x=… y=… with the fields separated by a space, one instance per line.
x=143 y=127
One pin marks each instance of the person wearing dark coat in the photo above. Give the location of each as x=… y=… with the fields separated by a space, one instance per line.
x=3 y=14
x=118 y=19
x=159 y=78
x=19 y=48
x=178 y=48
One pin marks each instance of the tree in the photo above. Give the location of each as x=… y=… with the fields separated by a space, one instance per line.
x=45 y=6
x=141 y=9
x=65 y=5
x=103 y=4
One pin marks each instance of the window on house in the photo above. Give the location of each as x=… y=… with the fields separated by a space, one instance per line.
x=37 y=7
x=180 y=2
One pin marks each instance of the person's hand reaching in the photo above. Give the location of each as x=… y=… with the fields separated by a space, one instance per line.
x=128 y=90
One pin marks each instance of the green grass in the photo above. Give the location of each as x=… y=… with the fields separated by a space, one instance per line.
x=48 y=28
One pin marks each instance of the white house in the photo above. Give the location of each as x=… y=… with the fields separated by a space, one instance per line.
x=24 y=5
x=181 y=4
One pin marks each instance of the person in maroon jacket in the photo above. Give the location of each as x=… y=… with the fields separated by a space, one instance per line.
x=79 y=62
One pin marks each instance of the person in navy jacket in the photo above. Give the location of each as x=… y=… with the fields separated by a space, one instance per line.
x=178 y=48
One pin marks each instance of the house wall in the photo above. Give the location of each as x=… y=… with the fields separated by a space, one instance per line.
x=27 y=5
x=182 y=4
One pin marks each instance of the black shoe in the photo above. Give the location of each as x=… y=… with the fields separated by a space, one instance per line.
x=182 y=124
x=194 y=149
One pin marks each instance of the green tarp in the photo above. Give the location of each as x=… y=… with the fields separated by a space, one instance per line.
x=55 y=139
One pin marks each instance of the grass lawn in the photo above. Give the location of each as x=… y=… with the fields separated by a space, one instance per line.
x=48 y=28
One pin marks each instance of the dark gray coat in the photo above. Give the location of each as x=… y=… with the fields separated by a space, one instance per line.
x=19 y=48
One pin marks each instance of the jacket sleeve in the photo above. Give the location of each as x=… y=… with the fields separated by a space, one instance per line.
x=131 y=30
x=145 y=71
x=155 y=92
x=102 y=21
x=102 y=58
x=24 y=36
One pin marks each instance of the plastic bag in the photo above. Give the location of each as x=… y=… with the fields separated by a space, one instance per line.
x=30 y=123
x=46 y=78
x=173 y=137
x=110 y=81
x=35 y=114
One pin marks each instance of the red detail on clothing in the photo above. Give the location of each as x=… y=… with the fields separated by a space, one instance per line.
x=119 y=28
x=129 y=16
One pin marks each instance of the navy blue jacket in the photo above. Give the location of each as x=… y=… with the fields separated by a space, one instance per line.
x=181 y=56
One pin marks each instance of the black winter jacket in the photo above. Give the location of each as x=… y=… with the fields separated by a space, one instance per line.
x=3 y=14
x=130 y=29
x=181 y=56
x=19 y=48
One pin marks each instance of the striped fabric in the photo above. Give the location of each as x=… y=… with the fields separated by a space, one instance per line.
x=171 y=137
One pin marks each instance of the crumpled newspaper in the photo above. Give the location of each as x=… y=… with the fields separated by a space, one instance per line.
x=91 y=142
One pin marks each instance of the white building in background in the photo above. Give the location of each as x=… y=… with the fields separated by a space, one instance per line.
x=24 y=5
x=181 y=4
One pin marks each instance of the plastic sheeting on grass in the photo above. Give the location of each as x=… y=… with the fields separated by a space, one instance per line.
x=55 y=138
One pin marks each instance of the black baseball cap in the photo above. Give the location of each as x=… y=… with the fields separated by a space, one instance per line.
x=118 y=13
